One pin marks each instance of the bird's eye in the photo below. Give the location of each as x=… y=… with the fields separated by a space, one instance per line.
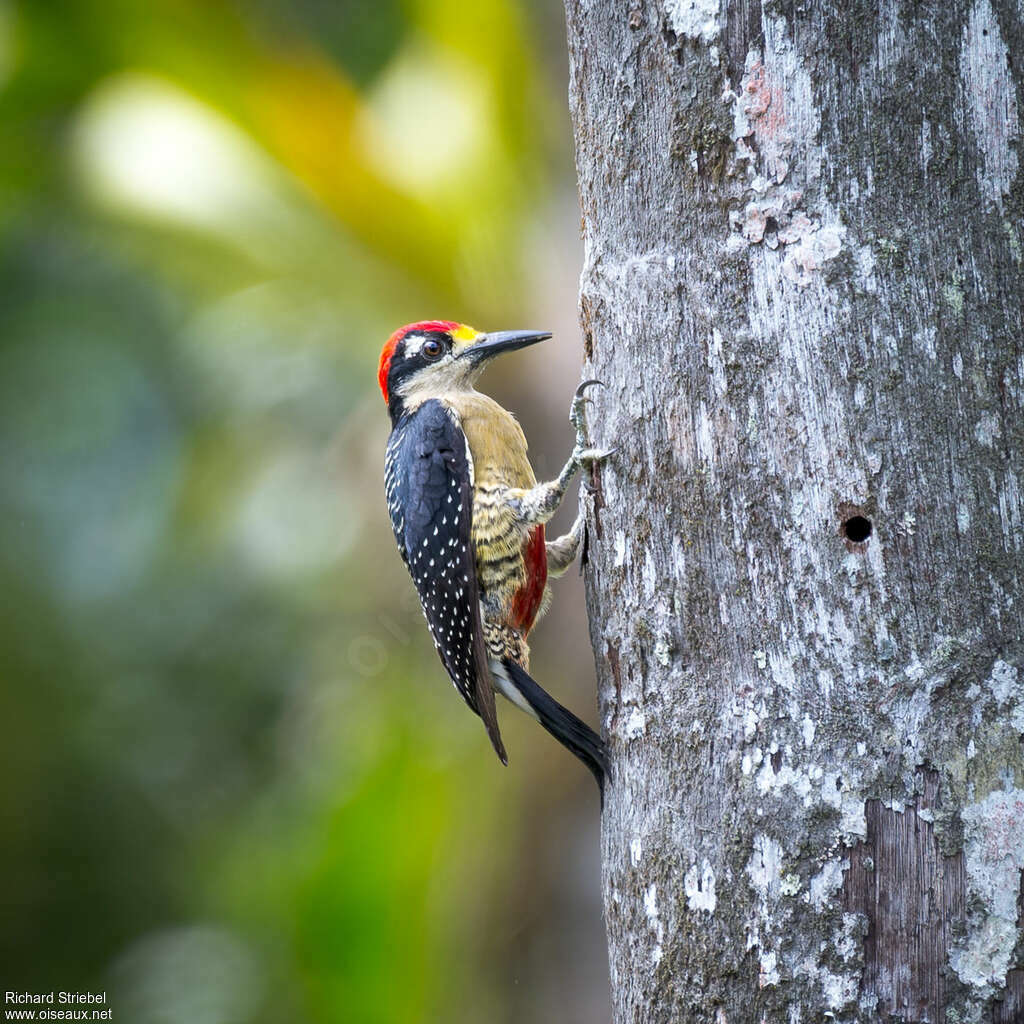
x=432 y=349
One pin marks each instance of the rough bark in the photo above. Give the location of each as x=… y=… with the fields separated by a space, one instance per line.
x=803 y=288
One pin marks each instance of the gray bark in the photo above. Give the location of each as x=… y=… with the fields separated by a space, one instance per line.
x=803 y=288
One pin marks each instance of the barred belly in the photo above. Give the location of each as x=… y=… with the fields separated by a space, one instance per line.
x=499 y=547
x=512 y=571
x=511 y=560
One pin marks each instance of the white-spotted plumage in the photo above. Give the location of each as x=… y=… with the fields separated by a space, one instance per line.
x=427 y=469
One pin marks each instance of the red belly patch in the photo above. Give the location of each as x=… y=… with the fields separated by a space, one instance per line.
x=527 y=600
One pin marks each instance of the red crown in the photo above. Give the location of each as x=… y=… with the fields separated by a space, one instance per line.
x=388 y=351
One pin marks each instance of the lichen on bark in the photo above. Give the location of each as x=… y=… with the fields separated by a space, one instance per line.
x=802 y=288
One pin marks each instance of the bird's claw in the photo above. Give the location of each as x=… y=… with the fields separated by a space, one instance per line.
x=579 y=400
x=581 y=390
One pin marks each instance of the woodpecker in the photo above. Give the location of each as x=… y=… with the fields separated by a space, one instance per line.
x=468 y=516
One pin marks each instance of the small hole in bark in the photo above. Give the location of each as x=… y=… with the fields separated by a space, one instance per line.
x=857 y=529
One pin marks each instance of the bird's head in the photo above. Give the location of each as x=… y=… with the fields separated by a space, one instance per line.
x=436 y=357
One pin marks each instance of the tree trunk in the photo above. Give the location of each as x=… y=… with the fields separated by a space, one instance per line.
x=803 y=288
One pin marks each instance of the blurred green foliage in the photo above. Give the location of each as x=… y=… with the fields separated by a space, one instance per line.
x=235 y=786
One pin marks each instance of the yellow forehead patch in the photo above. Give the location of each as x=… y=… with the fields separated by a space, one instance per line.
x=465 y=333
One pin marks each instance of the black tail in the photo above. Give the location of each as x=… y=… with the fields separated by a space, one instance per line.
x=573 y=734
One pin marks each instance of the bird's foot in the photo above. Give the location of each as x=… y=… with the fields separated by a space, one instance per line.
x=576 y=418
x=590 y=458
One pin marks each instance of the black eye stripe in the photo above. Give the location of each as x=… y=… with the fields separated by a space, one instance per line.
x=430 y=345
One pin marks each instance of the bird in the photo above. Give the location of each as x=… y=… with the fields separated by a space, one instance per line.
x=468 y=516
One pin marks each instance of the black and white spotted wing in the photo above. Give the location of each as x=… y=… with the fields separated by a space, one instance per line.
x=428 y=479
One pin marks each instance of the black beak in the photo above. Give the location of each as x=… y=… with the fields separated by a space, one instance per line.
x=503 y=341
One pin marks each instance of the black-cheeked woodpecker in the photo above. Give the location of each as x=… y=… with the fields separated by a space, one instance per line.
x=468 y=516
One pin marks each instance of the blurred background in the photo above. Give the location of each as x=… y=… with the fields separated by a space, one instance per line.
x=235 y=784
